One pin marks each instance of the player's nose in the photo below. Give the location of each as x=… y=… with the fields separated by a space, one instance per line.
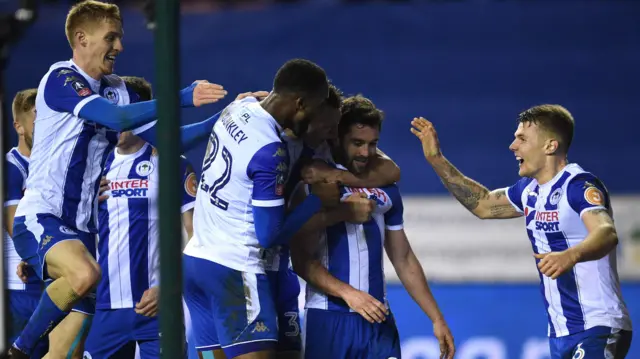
x=117 y=45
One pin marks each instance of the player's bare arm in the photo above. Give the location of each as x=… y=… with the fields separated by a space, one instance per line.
x=600 y=241
x=187 y=222
x=472 y=195
x=383 y=172
x=304 y=245
x=305 y=264
x=9 y=215
x=412 y=276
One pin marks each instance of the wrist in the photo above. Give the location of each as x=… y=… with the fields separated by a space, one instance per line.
x=574 y=254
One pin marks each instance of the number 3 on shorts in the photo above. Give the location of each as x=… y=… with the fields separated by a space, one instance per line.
x=293 y=324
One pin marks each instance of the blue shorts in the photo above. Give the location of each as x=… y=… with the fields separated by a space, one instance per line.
x=285 y=288
x=332 y=334
x=22 y=304
x=229 y=309
x=33 y=237
x=115 y=332
x=593 y=343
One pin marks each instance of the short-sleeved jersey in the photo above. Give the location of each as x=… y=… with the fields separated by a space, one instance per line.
x=354 y=253
x=589 y=295
x=17 y=170
x=68 y=152
x=279 y=258
x=128 y=226
x=246 y=165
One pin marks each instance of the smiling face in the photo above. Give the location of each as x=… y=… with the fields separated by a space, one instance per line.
x=529 y=148
x=100 y=45
x=94 y=31
x=359 y=146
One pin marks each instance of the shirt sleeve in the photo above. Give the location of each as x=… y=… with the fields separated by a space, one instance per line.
x=393 y=219
x=15 y=184
x=189 y=185
x=586 y=192
x=67 y=91
x=514 y=193
x=268 y=170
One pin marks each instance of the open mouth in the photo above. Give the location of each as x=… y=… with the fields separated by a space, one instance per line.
x=110 y=58
x=520 y=160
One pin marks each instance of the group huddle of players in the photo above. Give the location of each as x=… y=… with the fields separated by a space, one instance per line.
x=292 y=185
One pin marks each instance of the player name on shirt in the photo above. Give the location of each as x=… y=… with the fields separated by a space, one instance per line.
x=234 y=130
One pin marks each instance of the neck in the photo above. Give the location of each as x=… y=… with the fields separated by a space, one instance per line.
x=554 y=165
x=85 y=66
x=134 y=146
x=270 y=104
x=23 y=148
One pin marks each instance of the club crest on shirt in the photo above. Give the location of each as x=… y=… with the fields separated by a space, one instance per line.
x=111 y=94
x=144 y=168
x=555 y=196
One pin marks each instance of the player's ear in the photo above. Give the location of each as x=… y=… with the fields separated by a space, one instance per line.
x=551 y=146
x=81 y=38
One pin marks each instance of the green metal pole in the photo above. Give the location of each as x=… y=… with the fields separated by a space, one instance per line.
x=167 y=88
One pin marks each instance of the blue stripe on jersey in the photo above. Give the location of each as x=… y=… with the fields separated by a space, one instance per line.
x=74 y=178
x=139 y=234
x=552 y=329
x=338 y=263
x=103 y=300
x=568 y=287
x=559 y=183
x=21 y=161
x=374 y=248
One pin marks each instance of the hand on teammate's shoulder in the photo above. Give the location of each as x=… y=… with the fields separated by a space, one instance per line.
x=202 y=93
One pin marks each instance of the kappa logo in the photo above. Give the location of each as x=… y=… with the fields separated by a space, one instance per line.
x=87 y=355
x=260 y=328
x=46 y=240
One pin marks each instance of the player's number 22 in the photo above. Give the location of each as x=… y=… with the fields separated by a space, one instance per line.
x=217 y=185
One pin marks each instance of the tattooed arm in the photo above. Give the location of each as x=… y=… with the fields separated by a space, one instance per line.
x=475 y=197
x=472 y=195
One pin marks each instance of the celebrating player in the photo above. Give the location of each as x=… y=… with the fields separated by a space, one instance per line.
x=77 y=101
x=24 y=286
x=313 y=145
x=240 y=212
x=127 y=295
x=569 y=221
x=347 y=312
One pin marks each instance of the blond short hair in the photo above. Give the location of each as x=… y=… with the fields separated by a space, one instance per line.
x=23 y=102
x=89 y=12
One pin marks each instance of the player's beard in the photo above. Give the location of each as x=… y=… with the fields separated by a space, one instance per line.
x=299 y=128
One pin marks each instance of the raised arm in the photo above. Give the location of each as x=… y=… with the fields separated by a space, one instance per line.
x=472 y=195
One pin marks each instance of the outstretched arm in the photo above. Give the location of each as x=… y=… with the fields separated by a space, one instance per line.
x=472 y=195
x=414 y=281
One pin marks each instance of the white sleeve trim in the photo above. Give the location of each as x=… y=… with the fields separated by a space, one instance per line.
x=143 y=128
x=267 y=203
x=80 y=105
x=188 y=206
x=506 y=192
x=11 y=203
x=590 y=209
x=397 y=227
